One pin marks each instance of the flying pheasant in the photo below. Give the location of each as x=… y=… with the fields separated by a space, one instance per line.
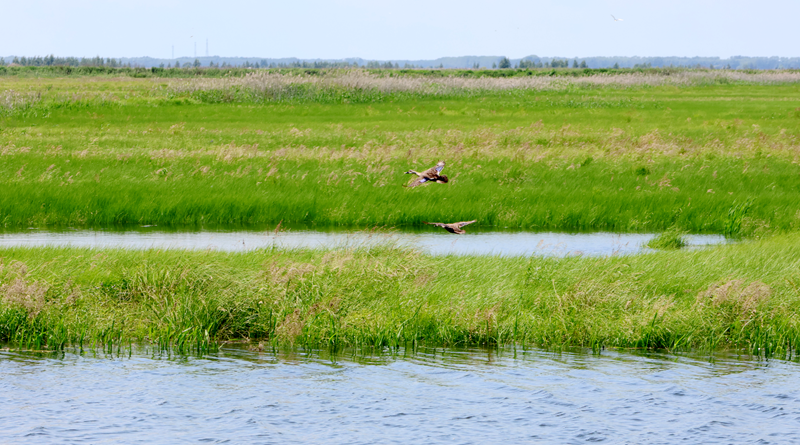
x=453 y=227
x=432 y=174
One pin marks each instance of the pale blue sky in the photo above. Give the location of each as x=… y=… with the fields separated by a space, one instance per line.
x=409 y=29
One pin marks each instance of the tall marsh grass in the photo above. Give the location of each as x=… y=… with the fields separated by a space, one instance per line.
x=737 y=296
x=338 y=86
x=243 y=186
x=363 y=86
x=12 y=102
x=658 y=159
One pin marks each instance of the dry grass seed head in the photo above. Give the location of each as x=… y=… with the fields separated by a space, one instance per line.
x=22 y=294
x=663 y=304
x=276 y=85
x=291 y=326
x=734 y=293
x=231 y=152
x=280 y=275
x=335 y=259
x=15 y=268
x=423 y=279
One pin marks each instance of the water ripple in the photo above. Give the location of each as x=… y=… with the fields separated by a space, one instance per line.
x=433 y=396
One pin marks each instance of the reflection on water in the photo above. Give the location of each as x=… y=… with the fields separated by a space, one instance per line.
x=432 y=396
x=437 y=242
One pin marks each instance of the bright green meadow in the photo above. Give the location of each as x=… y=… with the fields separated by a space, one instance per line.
x=682 y=151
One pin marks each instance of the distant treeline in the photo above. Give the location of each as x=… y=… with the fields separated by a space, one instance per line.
x=218 y=72
x=215 y=72
x=465 y=62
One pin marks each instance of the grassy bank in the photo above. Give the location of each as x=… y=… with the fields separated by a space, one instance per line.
x=735 y=296
x=630 y=153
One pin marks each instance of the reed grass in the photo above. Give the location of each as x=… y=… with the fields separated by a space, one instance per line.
x=97 y=152
x=740 y=296
x=363 y=86
x=350 y=86
x=209 y=190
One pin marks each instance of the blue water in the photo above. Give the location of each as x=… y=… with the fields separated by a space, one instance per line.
x=454 y=396
x=433 y=240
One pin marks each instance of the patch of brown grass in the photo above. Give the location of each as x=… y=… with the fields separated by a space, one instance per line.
x=276 y=84
x=291 y=326
x=25 y=295
x=734 y=295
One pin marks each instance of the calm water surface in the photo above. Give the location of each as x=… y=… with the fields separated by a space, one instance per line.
x=470 y=396
x=437 y=242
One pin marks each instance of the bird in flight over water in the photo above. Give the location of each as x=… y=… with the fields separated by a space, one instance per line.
x=453 y=227
x=616 y=19
x=433 y=174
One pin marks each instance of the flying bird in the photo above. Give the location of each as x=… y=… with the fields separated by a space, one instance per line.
x=616 y=19
x=453 y=227
x=432 y=174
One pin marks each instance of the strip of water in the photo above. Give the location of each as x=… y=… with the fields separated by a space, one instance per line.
x=436 y=242
x=430 y=397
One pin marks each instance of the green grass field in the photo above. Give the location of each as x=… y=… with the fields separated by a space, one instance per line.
x=125 y=151
x=697 y=152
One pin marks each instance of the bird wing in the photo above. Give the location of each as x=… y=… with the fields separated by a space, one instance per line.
x=439 y=167
x=464 y=223
x=435 y=224
x=417 y=181
x=430 y=173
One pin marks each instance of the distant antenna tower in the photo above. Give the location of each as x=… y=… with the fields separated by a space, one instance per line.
x=206 y=47
x=173 y=51
x=195 y=49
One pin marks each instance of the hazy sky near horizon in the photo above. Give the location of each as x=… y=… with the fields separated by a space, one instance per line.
x=409 y=29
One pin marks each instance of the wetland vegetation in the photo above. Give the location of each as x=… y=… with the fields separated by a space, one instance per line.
x=735 y=296
x=681 y=151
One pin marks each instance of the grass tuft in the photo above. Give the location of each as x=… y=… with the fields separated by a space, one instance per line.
x=671 y=239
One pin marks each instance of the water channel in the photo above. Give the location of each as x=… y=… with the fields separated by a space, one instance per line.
x=434 y=241
x=432 y=396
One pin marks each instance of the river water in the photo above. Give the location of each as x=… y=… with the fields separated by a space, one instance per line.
x=434 y=241
x=442 y=396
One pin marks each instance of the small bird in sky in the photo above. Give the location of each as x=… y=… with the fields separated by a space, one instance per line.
x=616 y=19
x=453 y=227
